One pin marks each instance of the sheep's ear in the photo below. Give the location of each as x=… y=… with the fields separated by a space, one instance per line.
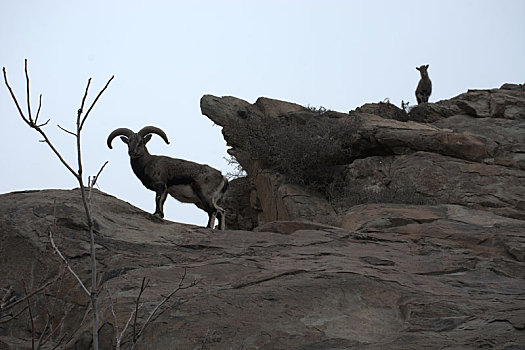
x=147 y=138
x=124 y=139
x=427 y=66
x=418 y=69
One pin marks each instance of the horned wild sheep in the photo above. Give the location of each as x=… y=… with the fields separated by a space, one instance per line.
x=424 y=88
x=186 y=181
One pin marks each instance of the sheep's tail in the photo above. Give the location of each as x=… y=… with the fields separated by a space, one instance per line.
x=225 y=186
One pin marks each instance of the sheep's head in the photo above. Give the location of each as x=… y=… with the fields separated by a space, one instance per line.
x=136 y=141
x=423 y=70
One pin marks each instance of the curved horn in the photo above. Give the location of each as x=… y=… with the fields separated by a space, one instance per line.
x=153 y=130
x=117 y=132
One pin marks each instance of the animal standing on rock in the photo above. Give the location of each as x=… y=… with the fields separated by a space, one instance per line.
x=186 y=181
x=424 y=88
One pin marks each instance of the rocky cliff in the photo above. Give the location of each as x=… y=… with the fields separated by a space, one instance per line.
x=373 y=229
x=316 y=165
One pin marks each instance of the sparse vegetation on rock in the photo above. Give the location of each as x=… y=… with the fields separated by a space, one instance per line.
x=458 y=151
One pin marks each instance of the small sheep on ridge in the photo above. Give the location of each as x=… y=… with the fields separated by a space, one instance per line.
x=424 y=88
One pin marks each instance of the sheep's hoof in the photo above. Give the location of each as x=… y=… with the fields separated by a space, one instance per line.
x=154 y=218
x=159 y=215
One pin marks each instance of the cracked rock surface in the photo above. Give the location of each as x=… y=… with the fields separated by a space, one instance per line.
x=392 y=276
x=468 y=151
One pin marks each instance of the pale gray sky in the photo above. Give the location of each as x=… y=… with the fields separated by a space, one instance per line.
x=166 y=54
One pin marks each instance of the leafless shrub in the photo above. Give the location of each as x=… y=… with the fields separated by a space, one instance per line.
x=405 y=106
x=308 y=152
x=237 y=171
x=17 y=300
x=314 y=152
x=385 y=109
x=10 y=302
x=78 y=174
x=319 y=110
x=137 y=330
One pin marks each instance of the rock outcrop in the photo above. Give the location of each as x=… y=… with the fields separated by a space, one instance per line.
x=467 y=151
x=380 y=230
x=395 y=276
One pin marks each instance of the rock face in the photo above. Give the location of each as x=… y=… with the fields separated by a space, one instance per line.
x=467 y=151
x=394 y=276
x=380 y=230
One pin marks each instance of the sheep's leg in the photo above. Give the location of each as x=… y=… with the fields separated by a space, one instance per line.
x=162 y=200
x=220 y=216
x=208 y=202
x=205 y=203
x=211 y=219
x=161 y=192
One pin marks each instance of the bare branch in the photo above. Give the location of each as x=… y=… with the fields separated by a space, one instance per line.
x=27 y=93
x=67 y=131
x=116 y=323
x=79 y=326
x=95 y=101
x=49 y=323
x=67 y=264
x=142 y=288
x=38 y=290
x=14 y=316
x=98 y=174
x=6 y=297
x=43 y=332
x=53 y=331
x=60 y=342
x=33 y=124
x=166 y=298
x=13 y=96
x=87 y=207
x=119 y=335
x=62 y=160
x=81 y=109
x=30 y=317
x=93 y=294
x=43 y=124
x=91 y=183
x=38 y=111
x=127 y=323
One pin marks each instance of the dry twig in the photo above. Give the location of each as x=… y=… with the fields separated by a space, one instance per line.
x=28 y=300
x=38 y=290
x=67 y=264
x=144 y=285
x=49 y=319
x=156 y=308
x=8 y=295
x=119 y=335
